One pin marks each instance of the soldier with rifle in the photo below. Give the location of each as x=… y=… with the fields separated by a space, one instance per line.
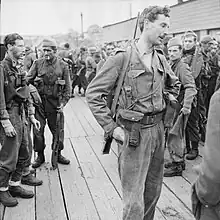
x=48 y=74
x=139 y=77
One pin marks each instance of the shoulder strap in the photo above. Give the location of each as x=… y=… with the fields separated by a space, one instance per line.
x=121 y=80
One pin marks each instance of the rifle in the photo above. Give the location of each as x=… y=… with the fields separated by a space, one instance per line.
x=59 y=129
x=113 y=100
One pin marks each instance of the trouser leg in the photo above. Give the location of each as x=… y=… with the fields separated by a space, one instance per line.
x=139 y=201
x=23 y=156
x=10 y=150
x=38 y=136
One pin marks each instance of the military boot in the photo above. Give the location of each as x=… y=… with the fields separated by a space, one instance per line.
x=18 y=191
x=39 y=160
x=31 y=180
x=62 y=160
x=193 y=154
x=170 y=164
x=7 y=200
x=176 y=169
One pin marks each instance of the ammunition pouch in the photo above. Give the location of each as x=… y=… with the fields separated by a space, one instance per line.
x=130 y=120
x=133 y=121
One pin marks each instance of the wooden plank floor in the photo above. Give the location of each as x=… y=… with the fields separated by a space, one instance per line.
x=89 y=188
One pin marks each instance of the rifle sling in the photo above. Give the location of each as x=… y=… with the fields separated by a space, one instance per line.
x=120 y=81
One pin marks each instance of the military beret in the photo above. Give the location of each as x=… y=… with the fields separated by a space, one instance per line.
x=190 y=33
x=49 y=43
x=174 y=42
x=206 y=39
x=92 y=49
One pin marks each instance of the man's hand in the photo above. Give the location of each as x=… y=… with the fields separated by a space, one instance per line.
x=119 y=134
x=8 y=128
x=185 y=111
x=35 y=122
x=60 y=108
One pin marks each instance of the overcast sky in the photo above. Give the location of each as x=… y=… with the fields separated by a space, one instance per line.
x=33 y=17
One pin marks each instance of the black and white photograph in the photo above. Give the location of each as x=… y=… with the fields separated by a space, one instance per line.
x=109 y=109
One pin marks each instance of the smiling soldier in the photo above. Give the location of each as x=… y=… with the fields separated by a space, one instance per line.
x=139 y=128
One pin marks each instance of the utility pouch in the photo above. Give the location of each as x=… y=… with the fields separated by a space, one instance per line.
x=134 y=135
x=131 y=121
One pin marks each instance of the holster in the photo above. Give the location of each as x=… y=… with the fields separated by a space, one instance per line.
x=130 y=120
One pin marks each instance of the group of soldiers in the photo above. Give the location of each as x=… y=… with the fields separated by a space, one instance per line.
x=162 y=94
x=35 y=85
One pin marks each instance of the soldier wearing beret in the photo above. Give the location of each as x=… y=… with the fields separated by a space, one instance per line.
x=185 y=99
x=139 y=127
x=14 y=99
x=46 y=74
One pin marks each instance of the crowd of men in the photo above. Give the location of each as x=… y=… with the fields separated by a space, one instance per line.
x=163 y=101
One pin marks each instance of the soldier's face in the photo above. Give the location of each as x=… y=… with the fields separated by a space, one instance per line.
x=189 y=42
x=17 y=50
x=157 y=30
x=174 y=53
x=49 y=53
x=214 y=49
x=109 y=50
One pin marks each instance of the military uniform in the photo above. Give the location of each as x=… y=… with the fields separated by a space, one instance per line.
x=206 y=190
x=44 y=75
x=197 y=116
x=185 y=98
x=14 y=154
x=141 y=105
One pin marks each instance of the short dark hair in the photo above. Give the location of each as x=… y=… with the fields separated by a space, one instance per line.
x=151 y=13
x=11 y=38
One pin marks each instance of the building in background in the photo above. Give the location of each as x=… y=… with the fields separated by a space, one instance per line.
x=201 y=16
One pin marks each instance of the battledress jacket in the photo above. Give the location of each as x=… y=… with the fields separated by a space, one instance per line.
x=4 y=103
x=140 y=81
x=45 y=74
x=188 y=87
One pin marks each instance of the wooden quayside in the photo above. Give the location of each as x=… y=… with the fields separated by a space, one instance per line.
x=89 y=188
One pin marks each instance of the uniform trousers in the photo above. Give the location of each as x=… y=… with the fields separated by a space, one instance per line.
x=14 y=154
x=141 y=173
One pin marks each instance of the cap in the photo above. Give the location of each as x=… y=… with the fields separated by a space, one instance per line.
x=49 y=43
x=92 y=49
x=174 y=42
x=190 y=33
x=206 y=39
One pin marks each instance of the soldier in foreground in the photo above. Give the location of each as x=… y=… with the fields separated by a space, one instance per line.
x=139 y=128
x=14 y=98
x=206 y=190
x=46 y=74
